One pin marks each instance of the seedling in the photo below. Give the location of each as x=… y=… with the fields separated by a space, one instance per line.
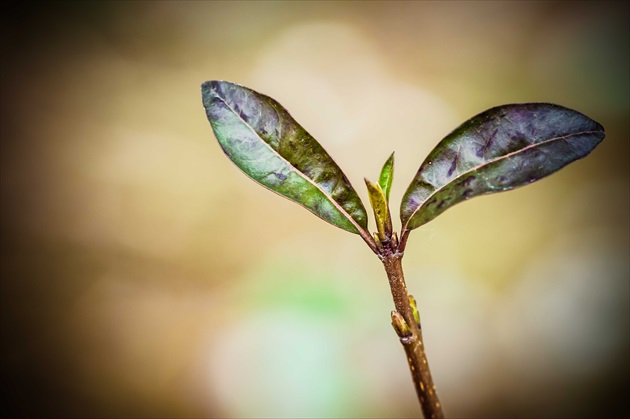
x=500 y=149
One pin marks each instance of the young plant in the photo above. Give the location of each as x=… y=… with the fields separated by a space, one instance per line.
x=498 y=150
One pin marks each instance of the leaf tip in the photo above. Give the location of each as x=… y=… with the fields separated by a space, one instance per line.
x=373 y=186
x=208 y=85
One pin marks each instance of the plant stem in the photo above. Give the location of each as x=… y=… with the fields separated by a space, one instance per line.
x=411 y=338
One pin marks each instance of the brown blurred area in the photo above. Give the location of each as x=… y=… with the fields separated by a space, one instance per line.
x=143 y=276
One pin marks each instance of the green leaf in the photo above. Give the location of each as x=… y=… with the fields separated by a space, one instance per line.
x=266 y=143
x=381 y=210
x=497 y=150
x=387 y=176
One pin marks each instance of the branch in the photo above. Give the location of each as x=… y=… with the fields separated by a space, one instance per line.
x=406 y=322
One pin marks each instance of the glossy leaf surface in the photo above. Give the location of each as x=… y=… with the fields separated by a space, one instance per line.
x=381 y=210
x=266 y=143
x=497 y=150
x=387 y=176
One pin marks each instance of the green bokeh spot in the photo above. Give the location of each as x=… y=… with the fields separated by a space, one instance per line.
x=300 y=287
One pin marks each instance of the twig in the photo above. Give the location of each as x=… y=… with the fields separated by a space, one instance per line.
x=406 y=322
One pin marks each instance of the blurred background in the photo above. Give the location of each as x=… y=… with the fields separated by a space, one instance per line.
x=143 y=275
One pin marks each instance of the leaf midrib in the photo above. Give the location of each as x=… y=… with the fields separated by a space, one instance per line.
x=309 y=180
x=436 y=191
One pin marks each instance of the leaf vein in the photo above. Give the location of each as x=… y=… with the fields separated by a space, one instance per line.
x=309 y=180
x=506 y=156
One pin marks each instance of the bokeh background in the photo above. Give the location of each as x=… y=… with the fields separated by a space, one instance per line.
x=143 y=275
